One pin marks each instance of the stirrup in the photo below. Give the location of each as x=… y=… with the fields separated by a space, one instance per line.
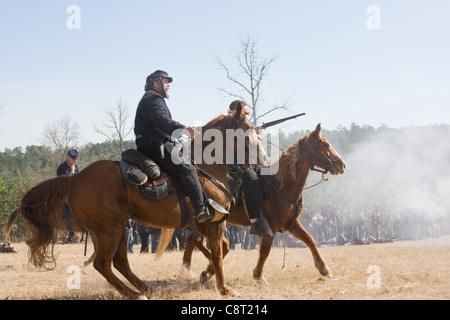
x=213 y=212
x=219 y=213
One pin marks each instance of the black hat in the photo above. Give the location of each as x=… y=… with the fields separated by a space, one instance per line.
x=157 y=75
x=73 y=154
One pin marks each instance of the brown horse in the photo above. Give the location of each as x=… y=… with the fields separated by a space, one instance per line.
x=284 y=205
x=98 y=199
x=63 y=223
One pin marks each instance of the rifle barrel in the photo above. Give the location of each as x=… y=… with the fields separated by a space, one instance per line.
x=272 y=123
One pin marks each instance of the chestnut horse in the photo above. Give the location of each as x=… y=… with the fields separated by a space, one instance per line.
x=284 y=205
x=99 y=201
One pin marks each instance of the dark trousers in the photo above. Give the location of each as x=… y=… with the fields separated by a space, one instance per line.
x=252 y=190
x=185 y=173
x=145 y=239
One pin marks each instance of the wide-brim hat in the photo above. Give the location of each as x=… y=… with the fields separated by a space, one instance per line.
x=158 y=74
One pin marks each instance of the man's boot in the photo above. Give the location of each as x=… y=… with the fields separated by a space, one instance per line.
x=261 y=227
x=204 y=214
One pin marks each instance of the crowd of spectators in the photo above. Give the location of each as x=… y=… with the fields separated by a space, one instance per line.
x=367 y=225
x=330 y=225
x=327 y=224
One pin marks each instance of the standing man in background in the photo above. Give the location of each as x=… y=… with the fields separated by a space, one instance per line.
x=69 y=168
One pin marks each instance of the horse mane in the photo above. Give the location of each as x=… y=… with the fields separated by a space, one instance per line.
x=287 y=162
x=215 y=120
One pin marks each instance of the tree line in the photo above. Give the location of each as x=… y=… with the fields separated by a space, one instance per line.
x=20 y=169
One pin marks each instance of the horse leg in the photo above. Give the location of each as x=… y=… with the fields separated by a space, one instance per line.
x=191 y=244
x=186 y=271
x=120 y=262
x=95 y=243
x=298 y=231
x=215 y=237
x=108 y=243
x=210 y=271
x=264 y=250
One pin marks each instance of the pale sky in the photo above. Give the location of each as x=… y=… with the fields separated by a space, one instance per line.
x=367 y=62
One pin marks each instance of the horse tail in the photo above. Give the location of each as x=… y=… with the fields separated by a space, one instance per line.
x=40 y=207
x=10 y=221
x=164 y=238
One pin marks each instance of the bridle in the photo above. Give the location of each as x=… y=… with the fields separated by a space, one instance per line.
x=312 y=163
x=235 y=120
x=316 y=155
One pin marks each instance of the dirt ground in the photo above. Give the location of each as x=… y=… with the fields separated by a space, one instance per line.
x=411 y=270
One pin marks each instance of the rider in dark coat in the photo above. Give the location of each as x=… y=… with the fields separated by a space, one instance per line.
x=154 y=129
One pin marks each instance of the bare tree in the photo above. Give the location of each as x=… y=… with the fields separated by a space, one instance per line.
x=252 y=71
x=59 y=136
x=115 y=127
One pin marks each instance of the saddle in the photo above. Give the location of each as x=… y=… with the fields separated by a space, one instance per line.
x=145 y=176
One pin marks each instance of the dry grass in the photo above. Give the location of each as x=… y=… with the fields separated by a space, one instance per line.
x=408 y=270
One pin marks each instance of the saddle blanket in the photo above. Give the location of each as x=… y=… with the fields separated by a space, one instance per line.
x=134 y=178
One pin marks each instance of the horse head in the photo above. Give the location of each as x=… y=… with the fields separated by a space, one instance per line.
x=244 y=138
x=320 y=153
x=241 y=140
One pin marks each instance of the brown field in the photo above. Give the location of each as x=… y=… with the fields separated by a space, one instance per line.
x=412 y=270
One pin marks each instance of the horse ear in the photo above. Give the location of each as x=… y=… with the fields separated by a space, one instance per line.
x=239 y=108
x=318 y=131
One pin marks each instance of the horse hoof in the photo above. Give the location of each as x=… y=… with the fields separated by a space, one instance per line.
x=261 y=279
x=227 y=291
x=185 y=273
x=203 y=278
x=234 y=293
x=142 y=297
x=326 y=273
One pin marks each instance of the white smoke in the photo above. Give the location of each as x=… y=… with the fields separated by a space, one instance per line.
x=404 y=171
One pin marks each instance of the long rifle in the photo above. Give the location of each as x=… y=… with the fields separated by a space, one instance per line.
x=273 y=123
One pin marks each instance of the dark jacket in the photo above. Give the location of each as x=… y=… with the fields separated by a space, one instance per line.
x=64 y=169
x=153 y=119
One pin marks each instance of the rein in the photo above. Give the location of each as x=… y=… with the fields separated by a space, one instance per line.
x=217 y=184
x=297 y=204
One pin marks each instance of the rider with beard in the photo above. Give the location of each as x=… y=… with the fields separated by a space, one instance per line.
x=154 y=127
